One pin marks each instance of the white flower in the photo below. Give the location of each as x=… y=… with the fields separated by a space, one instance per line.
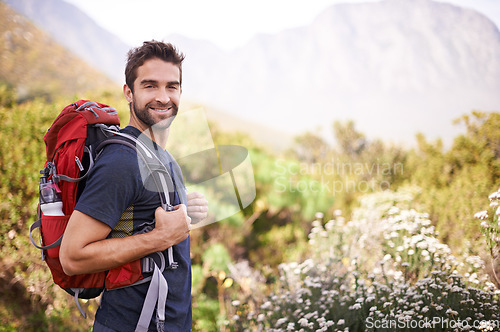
x=356 y=306
x=481 y=215
x=495 y=195
x=303 y=322
x=341 y=322
x=267 y=305
x=451 y=312
x=281 y=321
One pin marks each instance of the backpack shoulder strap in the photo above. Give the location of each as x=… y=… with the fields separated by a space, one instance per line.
x=160 y=174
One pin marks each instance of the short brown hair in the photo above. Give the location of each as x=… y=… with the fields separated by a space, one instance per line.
x=151 y=49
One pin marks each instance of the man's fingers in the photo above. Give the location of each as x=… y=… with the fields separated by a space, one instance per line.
x=180 y=207
x=194 y=195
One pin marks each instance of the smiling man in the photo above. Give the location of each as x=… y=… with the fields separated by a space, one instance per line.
x=112 y=221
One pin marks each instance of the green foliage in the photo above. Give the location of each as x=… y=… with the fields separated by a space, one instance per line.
x=217 y=257
x=454 y=182
x=206 y=313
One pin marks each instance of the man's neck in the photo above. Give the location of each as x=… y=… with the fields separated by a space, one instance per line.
x=157 y=135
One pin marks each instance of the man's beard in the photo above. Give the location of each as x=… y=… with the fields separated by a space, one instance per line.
x=148 y=119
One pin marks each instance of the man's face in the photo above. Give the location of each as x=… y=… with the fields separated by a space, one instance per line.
x=156 y=95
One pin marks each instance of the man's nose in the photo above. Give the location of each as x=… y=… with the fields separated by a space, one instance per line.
x=162 y=96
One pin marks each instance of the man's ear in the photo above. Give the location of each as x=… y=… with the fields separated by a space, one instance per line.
x=127 y=92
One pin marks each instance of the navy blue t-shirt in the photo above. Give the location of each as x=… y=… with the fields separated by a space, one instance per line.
x=116 y=195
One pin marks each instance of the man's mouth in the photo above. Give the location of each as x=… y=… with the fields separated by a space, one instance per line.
x=161 y=109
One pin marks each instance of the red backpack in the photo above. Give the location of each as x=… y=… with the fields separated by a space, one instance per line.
x=72 y=144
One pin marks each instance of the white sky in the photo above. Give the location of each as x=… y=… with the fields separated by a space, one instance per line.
x=227 y=23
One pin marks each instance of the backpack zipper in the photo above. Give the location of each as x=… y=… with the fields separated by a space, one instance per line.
x=79 y=164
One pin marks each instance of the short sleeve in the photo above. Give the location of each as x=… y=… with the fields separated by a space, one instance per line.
x=111 y=186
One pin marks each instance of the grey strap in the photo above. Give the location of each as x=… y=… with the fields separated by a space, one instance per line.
x=156 y=296
x=38 y=224
x=77 y=291
x=59 y=177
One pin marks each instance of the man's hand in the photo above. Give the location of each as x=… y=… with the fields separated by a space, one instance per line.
x=173 y=226
x=197 y=207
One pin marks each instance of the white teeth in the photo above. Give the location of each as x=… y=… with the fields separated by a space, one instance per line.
x=160 y=109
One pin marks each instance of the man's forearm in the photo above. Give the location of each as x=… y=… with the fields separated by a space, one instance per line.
x=85 y=248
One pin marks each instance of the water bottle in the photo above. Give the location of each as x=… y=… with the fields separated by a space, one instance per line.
x=50 y=198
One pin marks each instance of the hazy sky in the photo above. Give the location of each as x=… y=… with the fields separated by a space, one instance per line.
x=227 y=23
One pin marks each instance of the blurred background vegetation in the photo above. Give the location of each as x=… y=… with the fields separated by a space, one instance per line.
x=292 y=187
x=236 y=258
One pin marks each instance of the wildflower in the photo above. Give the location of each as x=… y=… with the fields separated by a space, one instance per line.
x=486 y=326
x=355 y=306
x=235 y=303
x=495 y=195
x=266 y=305
x=451 y=312
x=341 y=322
x=481 y=215
x=261 y=317
x=281 y=321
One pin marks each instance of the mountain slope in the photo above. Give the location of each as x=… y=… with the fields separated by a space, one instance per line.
x=33 y=64
x=395 y=67
x=76 y=31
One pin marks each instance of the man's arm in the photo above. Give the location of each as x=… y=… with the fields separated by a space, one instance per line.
x=85 y=248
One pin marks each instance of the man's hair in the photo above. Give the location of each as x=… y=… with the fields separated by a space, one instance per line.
x=149 y=50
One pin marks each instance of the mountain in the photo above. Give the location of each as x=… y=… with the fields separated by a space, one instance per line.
x=76 y=31
x=396 y=67
x=33 y=64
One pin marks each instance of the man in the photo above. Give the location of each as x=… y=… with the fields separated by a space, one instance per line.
x=116 y=201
